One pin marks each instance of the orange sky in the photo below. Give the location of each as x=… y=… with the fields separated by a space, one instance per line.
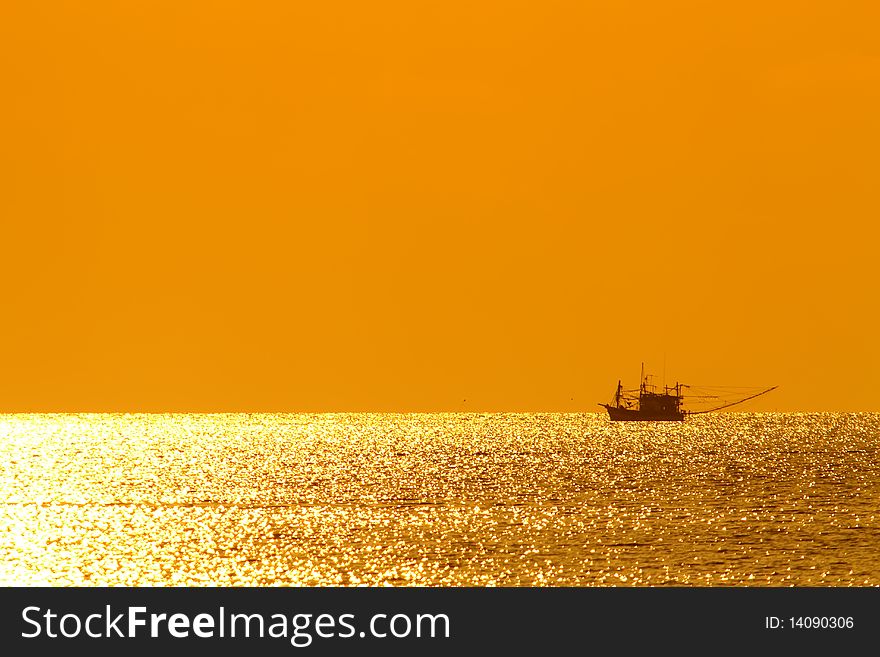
x=397 y=206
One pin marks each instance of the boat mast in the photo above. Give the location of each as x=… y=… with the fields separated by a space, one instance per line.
x=642 y=385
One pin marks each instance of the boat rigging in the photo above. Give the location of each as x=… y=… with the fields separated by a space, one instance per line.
x=649 y=404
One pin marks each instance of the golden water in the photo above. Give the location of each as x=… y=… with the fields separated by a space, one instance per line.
x=442 y=499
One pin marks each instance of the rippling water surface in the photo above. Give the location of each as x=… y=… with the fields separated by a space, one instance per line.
x=444 y=499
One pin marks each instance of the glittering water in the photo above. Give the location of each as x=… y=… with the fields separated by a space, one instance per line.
x=446 y=499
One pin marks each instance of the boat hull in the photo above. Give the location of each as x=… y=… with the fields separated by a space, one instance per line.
x=632 y=415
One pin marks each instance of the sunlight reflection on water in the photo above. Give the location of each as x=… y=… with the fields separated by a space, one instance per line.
x=440 y=499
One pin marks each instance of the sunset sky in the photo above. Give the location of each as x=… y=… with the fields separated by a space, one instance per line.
x=436 y=206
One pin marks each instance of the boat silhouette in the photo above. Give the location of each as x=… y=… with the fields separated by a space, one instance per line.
x=647 y=404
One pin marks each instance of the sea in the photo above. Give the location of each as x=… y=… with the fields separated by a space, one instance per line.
x=476 y=500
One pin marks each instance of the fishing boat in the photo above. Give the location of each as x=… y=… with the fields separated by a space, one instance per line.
x=647 y=404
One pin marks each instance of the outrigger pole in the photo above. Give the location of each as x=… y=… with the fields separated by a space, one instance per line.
x=718 y=408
